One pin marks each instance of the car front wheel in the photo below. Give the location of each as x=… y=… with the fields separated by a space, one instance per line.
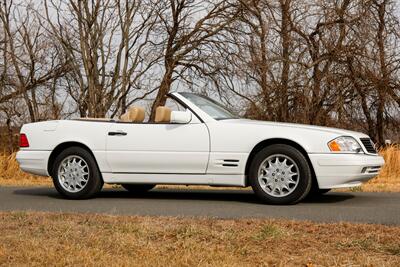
x=280 y=174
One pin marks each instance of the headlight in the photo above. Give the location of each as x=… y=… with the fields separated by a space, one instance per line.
x=344 y=144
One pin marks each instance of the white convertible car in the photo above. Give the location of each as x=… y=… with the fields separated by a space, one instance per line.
x=195 y=141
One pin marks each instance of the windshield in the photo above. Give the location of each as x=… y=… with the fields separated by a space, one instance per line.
x=209 y=106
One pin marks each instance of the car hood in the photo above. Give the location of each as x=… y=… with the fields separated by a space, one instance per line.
x=337 y=131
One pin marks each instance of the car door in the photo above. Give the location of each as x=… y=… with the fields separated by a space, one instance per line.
x=158 y=148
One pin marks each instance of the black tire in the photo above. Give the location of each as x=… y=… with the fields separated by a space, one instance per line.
x=94 y=180
x=304 y=178
x=323 y=191
x=315 y=191
x=319 y=192
x=316 y=194
x=138 y=188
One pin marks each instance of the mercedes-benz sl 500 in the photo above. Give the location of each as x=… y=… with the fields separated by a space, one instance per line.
x=194 y=140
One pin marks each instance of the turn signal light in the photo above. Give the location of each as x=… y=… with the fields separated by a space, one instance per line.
x=334 y=146
x=23 y=140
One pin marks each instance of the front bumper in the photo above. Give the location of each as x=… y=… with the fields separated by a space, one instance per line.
x=345 y=170
x=34 y=161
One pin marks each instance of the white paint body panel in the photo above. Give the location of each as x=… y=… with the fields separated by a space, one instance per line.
x=202 y=152
x=186 y=179
x=159 y=148
x=34 y=162
x=341 y=170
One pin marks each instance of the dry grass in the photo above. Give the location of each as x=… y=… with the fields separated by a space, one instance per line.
x=389 y=177
x=387 y=181
x=42 y=239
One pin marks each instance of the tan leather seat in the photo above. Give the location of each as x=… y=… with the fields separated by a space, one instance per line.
x=163 y=115
x=133 y=114
x=124 y=117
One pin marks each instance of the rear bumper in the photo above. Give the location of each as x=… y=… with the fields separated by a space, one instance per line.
x=34 y=161
x=345 y=170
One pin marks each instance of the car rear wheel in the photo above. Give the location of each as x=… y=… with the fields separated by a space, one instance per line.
x=75 y=174
x=138 y=188
x=280 y=174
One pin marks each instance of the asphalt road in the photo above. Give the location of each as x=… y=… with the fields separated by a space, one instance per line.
x=382 y=208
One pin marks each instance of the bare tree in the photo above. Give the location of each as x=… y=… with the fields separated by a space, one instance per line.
x=188 y=27
x=106 y=43
x=375 y=67
x=320 y=62
x=30 y=60
x=263 y=51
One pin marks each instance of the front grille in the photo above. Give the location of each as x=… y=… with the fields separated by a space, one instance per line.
x=369 y=146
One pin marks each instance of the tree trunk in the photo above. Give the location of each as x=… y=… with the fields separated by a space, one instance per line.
x=29 y=104
x=315 y=96
x=165 y=86
x=10 y=136
x=384 y=80
x=285 y=38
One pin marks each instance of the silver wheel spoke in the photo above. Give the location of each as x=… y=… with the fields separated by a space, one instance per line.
x=73 y=173
x=274 y=187
x=284 y=162
x=278 y=175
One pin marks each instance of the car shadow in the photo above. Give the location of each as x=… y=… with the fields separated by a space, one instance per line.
x=186 y=194
x=331 y=197
x=246 y=196
x=38 y=192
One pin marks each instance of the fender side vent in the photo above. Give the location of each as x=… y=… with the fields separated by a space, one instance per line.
x=230 y=163
x=231 y=160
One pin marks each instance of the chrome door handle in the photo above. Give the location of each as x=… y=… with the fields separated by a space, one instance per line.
x=119 y=133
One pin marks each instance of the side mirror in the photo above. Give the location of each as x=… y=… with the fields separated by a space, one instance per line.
x=181 y=117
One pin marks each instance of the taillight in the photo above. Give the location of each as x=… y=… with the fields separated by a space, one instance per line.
x=23 y=140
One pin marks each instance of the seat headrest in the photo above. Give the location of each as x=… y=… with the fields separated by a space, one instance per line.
x=163 y=114
x=133 y=114
x=124 y=117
